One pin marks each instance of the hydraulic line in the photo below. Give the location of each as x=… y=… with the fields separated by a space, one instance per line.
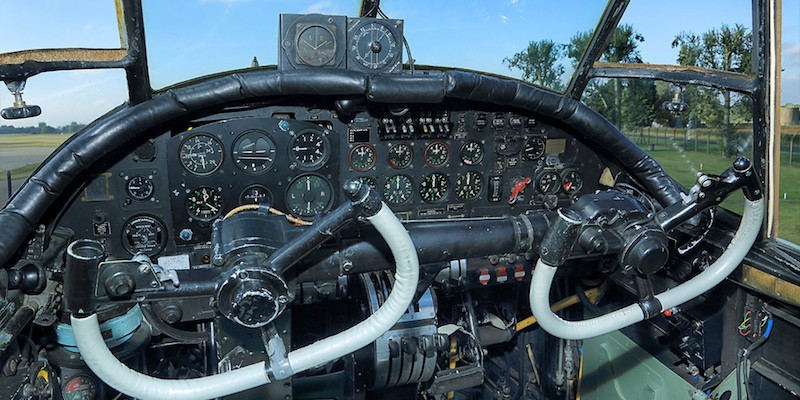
x=737 y=249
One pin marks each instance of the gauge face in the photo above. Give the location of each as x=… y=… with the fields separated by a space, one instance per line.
x=255 y=194
x=362 y=157
x=369 y=181
x=309 y=195
x=548 y=183
x=309 y=149
x=374 y=46
x=534 y=148
x=80 y=387
x=140 y=187
x=472 y=153
x=436 y=154
x=201 y=154
x=468 y=185
x=433 y=187
x=401 y=155
x=398 y=189
x=571 y=181
x=144 y=234
x=315 y=46
x=254 y=152
x=204 y=203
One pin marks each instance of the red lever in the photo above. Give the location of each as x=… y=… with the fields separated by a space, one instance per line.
x=519 y=188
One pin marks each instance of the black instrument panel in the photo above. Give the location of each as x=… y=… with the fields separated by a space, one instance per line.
x=427 y=162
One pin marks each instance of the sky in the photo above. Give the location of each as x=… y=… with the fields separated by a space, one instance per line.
x=188 y=38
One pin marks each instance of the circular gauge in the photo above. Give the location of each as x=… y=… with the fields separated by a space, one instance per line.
x=401 y=155
x=80 y=387
x=398 y=189
x=369 y=181
x=468 y=185
x=571 y=181
x=140 y=187
x=436 y=154
x=433 y=187
x=309 y=149
x=548 y=182
x=144 y=234
x=315 y=46
x=534 y=148
x=374 y=46
x=204 y=203
x=472 y=153
x=362 y=157
x=201 y=154
x=254 y=152
x=255 y=194
x=309 y=195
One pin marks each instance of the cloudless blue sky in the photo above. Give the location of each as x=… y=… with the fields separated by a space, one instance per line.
x=198 y=37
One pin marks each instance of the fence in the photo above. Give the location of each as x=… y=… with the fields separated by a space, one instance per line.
x=706 y=140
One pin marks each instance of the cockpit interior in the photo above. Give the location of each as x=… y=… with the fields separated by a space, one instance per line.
x=351 y=224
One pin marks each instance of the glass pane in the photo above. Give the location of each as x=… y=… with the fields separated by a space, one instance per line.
x=59 y=24
x=687 y=129
x=468 y=34
x=662 y=27
x=529 y=40
x=789 y=193
x=69 y=100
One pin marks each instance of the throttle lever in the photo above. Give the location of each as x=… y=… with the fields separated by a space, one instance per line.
x=710 y=190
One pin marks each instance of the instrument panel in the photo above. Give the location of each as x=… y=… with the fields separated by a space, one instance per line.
x=426 y=162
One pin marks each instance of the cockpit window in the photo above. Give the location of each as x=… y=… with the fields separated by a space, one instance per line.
x=515 y=38
x=686 y=33
x=687 y=128
x=60 y=24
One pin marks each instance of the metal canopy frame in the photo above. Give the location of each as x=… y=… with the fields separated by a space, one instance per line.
x=132 y=57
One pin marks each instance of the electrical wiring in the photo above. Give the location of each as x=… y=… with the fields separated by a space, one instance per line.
x=744 y=327
x=743 y=356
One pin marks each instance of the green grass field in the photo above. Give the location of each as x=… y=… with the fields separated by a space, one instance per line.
x=26 y=140
x=684 y=165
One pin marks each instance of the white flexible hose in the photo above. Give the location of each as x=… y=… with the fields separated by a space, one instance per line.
x=737 y=249
x=132 y=383
x=117 y=375
x=366 y=332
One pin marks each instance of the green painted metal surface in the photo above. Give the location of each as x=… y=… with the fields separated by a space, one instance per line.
x=614 y=367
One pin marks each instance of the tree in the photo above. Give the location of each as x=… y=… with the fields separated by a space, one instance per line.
x=622 y=47
x=539 y=64
x=726 y=49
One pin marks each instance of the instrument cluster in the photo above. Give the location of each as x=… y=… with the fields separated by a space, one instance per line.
x=426 y=162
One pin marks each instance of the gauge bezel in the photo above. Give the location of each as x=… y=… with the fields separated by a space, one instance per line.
x=563 y=178
x=443 y=196
x=540 y=154
x=390 y=159
x=464 y=149
x=201 y=218
x=371 y=149
x=162 y=242
x=557 y=186
x=214 y=139
x=130 y=192
x=305 y=54
x=393 y=60
x=411 y=192
x=258 y=132
x=270 y=196
x=446 y=154
x=457 y=186
x=326 y=152
x=327 y=207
